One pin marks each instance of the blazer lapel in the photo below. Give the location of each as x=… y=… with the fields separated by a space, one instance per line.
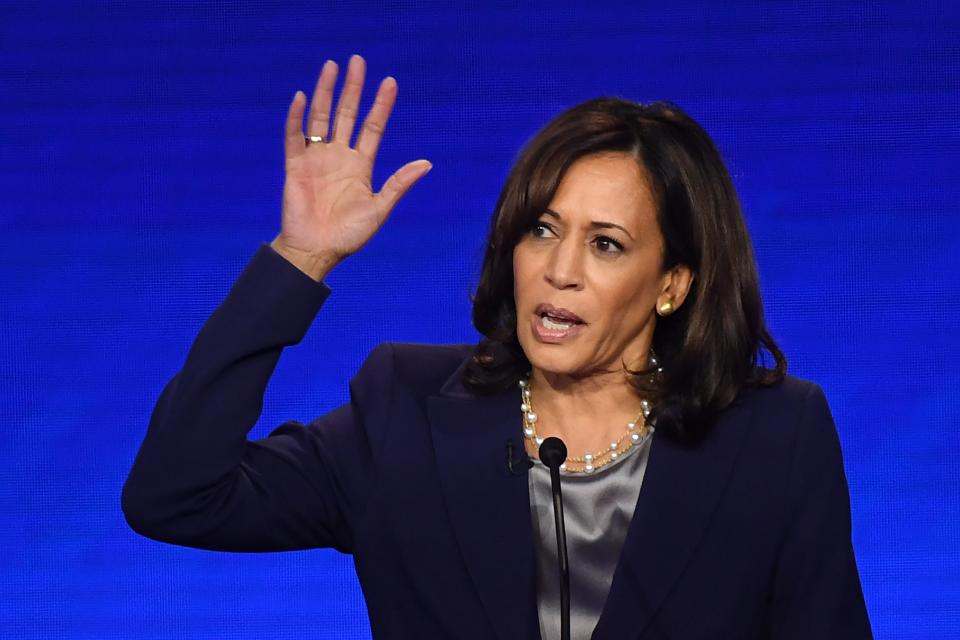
x=681 y=488
x=488 y=506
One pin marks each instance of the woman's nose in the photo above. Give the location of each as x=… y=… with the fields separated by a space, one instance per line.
x=564 y=269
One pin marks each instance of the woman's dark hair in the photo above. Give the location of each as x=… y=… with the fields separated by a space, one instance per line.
x=712 y=346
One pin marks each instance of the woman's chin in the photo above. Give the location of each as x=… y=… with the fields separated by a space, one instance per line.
x=554 y=359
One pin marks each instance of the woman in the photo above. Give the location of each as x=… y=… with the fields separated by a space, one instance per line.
x=619 y=299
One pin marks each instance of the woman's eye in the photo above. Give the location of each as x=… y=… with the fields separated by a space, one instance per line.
x=540 y=229
x=607 y=245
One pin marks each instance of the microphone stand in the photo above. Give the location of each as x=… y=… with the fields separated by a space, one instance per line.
x=553 y=453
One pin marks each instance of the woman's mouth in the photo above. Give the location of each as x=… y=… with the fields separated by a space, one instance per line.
x=553 y=325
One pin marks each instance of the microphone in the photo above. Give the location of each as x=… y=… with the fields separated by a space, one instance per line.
x=525 y=462
x=553 y=453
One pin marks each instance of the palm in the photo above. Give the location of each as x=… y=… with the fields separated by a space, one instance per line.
x=329 y=197
x=329 y=206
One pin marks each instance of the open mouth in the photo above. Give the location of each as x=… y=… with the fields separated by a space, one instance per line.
x=557 y=315
x=552 y=324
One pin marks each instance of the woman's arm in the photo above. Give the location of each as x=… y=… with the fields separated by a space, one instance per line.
x=196 y=480
x=817 y=591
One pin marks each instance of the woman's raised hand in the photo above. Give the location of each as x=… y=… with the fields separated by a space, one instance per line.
x=329 y=207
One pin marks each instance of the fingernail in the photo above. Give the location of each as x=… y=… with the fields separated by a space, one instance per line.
x=429 y=166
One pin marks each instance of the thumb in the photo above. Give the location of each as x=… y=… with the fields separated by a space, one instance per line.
x=400 y=182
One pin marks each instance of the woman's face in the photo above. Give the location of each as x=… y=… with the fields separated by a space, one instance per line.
x=587 y=276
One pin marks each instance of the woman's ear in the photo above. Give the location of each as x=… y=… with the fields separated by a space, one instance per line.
x=674 y=289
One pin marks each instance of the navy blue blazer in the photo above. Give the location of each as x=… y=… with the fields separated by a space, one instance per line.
x=746 y=535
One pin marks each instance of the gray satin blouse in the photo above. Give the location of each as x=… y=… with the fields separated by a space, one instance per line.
x=597 y=509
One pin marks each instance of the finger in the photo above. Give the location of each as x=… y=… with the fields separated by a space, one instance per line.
x=318 y=122
x=399 y=183
x=368 y=141
x=293 y=142
x=349 y=101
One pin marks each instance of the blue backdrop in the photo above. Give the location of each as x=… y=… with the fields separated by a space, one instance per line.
x=141 y=166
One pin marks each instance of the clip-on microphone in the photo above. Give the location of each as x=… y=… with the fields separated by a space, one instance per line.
x=524 y=463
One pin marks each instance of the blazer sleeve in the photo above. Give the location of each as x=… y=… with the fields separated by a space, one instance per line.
x=197 y=481
x=817 y=591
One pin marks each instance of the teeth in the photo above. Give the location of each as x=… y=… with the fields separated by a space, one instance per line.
x=550 y=323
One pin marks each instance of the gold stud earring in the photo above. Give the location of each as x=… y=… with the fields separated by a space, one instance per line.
x=665 y=309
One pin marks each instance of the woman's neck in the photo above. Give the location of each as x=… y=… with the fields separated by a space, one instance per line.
x=587 y=413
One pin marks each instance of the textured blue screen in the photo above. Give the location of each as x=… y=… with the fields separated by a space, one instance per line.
x=141 y=166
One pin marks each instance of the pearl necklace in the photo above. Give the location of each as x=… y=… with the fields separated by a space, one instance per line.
x=636 y=430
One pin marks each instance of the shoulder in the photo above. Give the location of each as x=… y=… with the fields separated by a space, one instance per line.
x=788 y=447
x=395 y=381
x=421 y=368
x=791 y=404
x=789 y=394
x=793 y=417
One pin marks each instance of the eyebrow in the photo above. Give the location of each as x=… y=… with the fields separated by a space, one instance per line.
x=595 y=224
